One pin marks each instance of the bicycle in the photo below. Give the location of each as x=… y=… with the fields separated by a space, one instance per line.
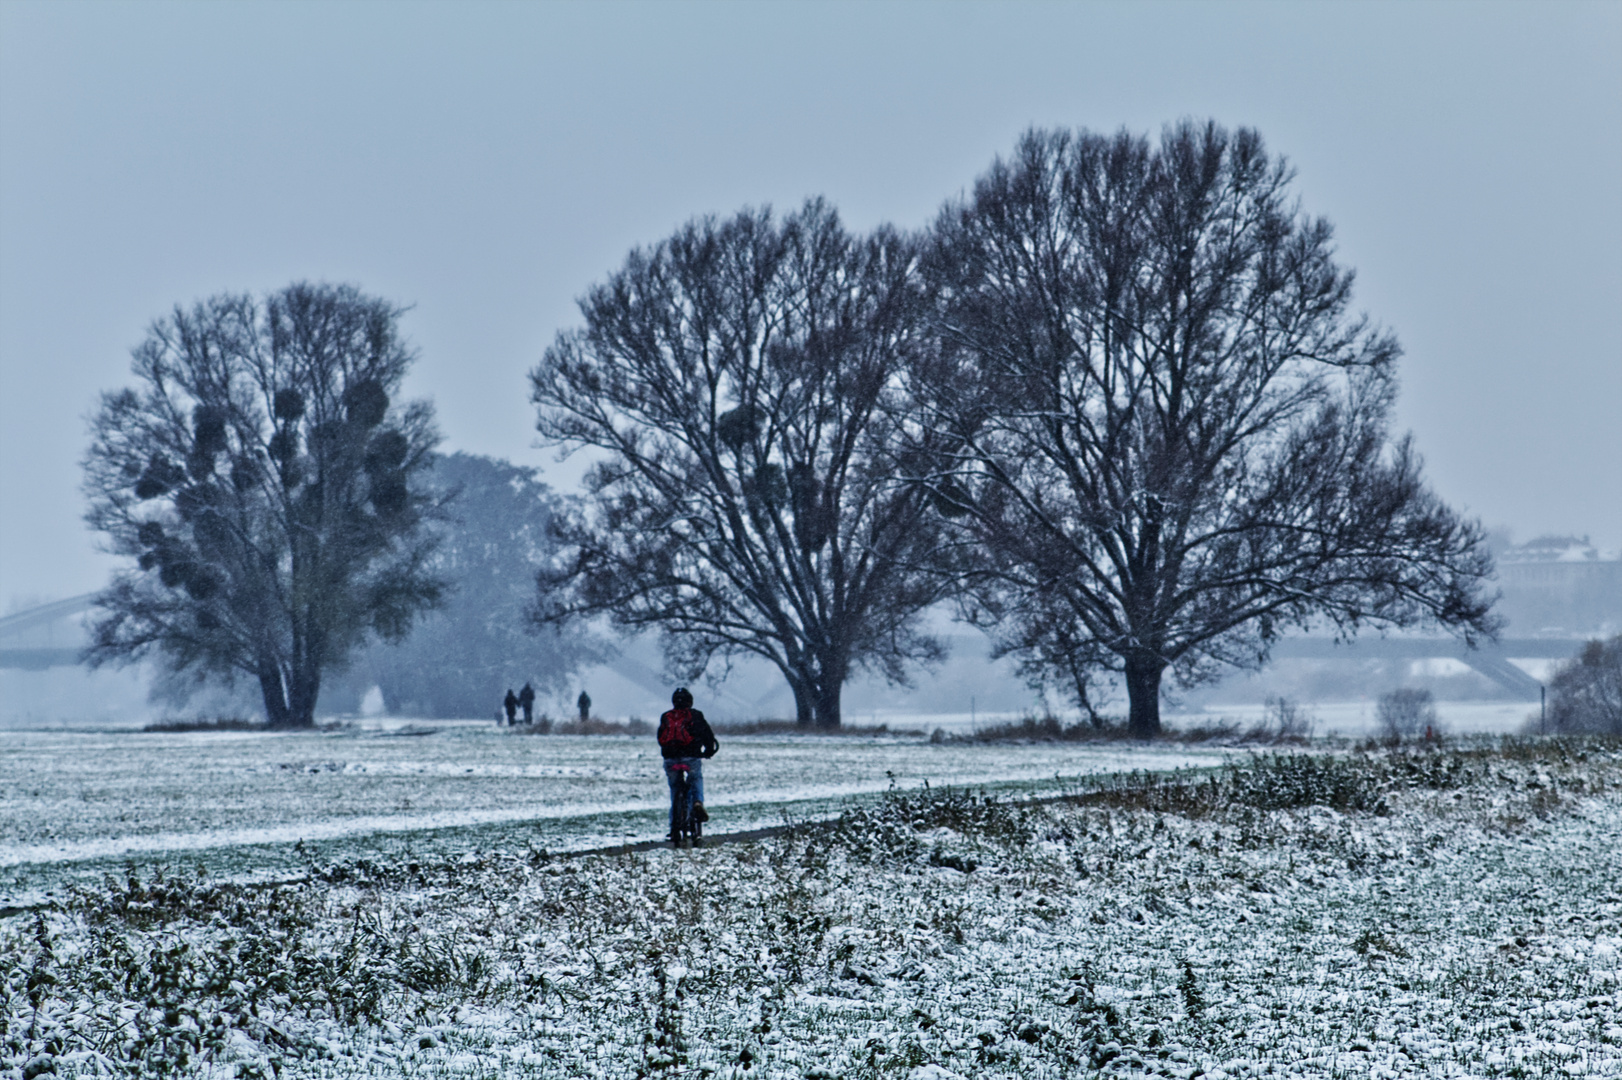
x=685 y=828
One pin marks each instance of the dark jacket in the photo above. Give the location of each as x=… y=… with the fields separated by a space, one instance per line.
x=701 y=740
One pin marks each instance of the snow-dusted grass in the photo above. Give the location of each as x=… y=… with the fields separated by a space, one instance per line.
x=1438 y=913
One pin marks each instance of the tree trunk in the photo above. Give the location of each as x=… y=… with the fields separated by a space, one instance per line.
x=1143 y=672
x=305 y=688
x=802 y=702
x=828 y=703
x=270 y=688
x=304 y=680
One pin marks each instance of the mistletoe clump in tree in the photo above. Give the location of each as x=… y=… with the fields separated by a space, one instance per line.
x=740 y=383
x=1169 y=438
x=260 y=479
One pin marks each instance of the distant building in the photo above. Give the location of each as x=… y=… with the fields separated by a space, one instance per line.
x=1560 y=585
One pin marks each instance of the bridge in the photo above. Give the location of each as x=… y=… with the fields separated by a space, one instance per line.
x=1492 y=659
x=39 y=657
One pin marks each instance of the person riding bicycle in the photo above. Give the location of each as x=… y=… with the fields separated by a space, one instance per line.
x=685 y=739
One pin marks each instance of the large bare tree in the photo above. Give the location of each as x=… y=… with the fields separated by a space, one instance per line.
x=737 y=383
x=1170 y=436
x=260 y=480
x=458 y=658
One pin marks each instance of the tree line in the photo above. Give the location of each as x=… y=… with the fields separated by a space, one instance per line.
x=1113 y=405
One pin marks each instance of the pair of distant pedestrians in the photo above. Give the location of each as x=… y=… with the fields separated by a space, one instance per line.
x=524 y=699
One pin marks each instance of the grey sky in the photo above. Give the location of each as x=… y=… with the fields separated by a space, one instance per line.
x=487 y=163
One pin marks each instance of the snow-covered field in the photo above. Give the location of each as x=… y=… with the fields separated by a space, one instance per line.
x=1348 y=719
x=1360 y=719
x=1451 y=912
x=75 y=805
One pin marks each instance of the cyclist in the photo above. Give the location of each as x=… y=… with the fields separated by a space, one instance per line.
x=685 y=739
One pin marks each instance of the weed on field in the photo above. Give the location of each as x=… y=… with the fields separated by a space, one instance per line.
x=1433 y=912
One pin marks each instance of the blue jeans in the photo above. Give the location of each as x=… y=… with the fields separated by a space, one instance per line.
x=695 y=790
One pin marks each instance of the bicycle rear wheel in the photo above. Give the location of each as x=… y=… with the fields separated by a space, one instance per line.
x=681 y=811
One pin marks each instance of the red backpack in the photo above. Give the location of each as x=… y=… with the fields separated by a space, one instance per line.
x=675 y=729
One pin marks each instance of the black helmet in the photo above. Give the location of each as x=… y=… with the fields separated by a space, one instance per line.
x=682 y=698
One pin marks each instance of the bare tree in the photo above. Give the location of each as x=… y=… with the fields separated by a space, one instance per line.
x=1405 y=713
x=261 y=481
x=460 y=657
x=1586 y=691
x=738 y=381
x=1171 y=439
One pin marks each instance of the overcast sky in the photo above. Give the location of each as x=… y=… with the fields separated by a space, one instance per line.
x=486 y=163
